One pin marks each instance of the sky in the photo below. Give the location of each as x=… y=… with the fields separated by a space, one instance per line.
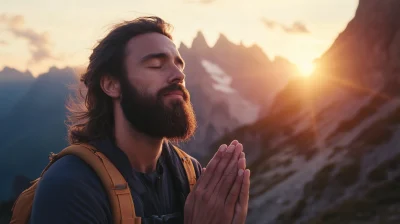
x=37 y=34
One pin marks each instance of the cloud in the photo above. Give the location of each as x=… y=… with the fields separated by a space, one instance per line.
x=39 y=43
x=296 y=28
x=269 y=23
x=14 y=21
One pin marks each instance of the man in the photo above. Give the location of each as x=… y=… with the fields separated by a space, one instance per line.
x=136 y=104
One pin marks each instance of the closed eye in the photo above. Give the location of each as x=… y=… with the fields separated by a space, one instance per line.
x=161 y=58
x=156 y=63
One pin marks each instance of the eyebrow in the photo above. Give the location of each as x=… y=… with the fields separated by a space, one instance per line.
x=160 y=56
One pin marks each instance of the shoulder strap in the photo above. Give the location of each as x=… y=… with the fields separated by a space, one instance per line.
x=188 y=165
x=117 y=188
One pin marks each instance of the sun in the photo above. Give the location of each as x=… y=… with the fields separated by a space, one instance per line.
x=306 y=69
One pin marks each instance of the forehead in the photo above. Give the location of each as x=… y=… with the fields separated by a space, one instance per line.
x=150 y=43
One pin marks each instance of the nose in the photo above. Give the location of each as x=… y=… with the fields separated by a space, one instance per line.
x=177 y=76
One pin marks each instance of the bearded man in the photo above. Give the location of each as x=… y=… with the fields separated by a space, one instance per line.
x=135 y=106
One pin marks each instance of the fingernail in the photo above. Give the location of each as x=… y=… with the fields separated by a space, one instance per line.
x=222 y=148
x=240 y=172
x=230 y=148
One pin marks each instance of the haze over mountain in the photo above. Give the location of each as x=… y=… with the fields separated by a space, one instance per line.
x=34 y=127
x=12 y=83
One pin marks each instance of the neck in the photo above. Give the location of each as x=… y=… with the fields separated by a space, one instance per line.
x=141 y=150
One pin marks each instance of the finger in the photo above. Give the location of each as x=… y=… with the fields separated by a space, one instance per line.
x=219 y=171
x=242 y=163
x=214 y=162
x=233 y=162
x=244 y=192
x=230 y=173
x=243 y=199
x=232 y=167
x=222 y=148
x=234 y=142
x=212 y=165
x=235 y=190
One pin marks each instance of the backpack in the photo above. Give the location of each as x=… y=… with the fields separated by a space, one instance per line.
x=118 y=191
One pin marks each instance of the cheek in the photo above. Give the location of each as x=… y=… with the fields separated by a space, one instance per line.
x=149 y=82
x=148 y=87
x=153 y=90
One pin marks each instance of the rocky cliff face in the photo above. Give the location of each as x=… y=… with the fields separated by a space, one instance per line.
x=327 y=151
x=368 y=49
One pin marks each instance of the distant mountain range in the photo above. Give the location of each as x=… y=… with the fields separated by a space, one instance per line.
x=34 y=125
x=323 y=149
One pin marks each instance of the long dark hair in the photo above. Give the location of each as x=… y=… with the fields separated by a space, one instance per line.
x=91 y=111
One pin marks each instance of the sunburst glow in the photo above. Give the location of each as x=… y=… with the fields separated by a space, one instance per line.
x=306 y=69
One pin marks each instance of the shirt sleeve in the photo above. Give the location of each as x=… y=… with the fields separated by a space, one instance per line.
x=70 y=192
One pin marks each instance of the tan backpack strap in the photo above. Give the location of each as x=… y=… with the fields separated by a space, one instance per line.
x=117 y=188
x=188 y=165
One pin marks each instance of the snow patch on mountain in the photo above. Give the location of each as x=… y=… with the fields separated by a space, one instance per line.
x=240 y=108
x=222 y=81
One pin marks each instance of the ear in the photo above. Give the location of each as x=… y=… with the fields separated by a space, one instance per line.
x=110 y=86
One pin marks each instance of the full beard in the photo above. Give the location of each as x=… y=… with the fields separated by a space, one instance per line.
x=151 y=116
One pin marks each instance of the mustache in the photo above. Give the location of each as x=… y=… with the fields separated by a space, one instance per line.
x=174 y=87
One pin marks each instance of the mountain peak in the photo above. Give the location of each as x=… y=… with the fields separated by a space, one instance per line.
x=66 y=74
x=183 y=47
x=199 y=42
x=223 y=38
x=54 y=69
x=223 y=42
x=12 y=74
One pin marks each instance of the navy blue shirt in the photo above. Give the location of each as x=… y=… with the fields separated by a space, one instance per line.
x=71 y=192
